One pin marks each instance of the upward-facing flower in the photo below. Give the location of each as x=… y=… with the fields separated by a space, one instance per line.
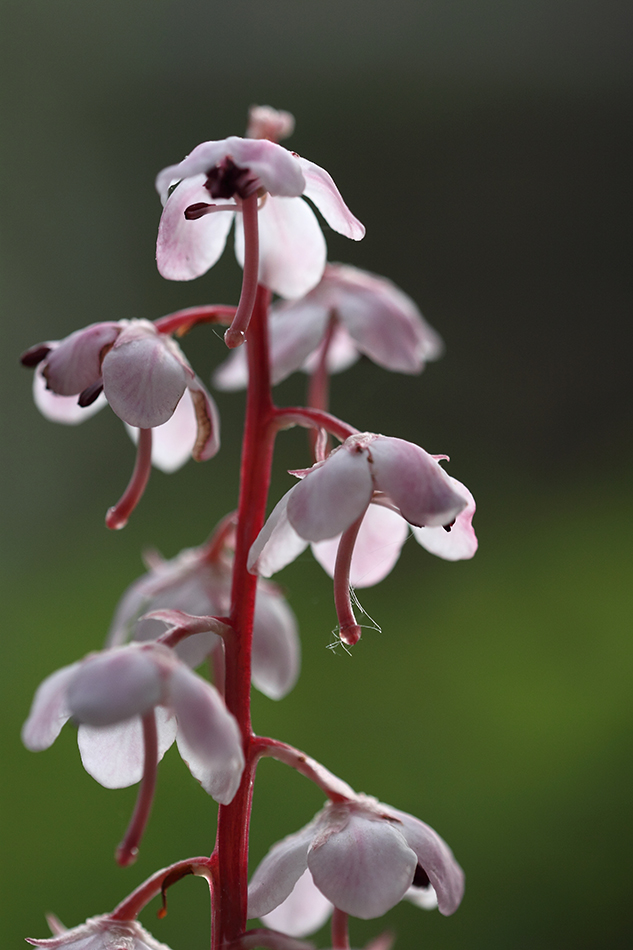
x=354 y=313
x=147 y=381
x=204 y=193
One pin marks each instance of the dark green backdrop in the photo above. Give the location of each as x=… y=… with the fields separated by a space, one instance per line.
x=486 y=146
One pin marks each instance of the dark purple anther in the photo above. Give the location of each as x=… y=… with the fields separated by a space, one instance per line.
x=226 y=180
x=35 y=355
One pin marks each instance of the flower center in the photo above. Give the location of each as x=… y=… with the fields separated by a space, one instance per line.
x=226 y=180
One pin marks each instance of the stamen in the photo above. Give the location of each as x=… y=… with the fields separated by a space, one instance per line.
x=236 y=333
x=117 y=516
x=35 y=355
x=127 y=852
x=349 y=629
x=91 y=394
x=198 y=210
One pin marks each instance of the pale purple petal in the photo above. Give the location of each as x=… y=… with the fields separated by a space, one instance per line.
x=208 y=738
x=232 y=374
x=296 y=329
x=292 y=250
x=279 y=871
x=49 y=710
x=303 y=912
x=74 y=364
x=377 y=548
x=144 y=376
x=331 y=496
x=435 y=856
x=365 y=868
x=342 y=353
x=173 y=441
x=114 y=686
x=186 y=249
x=415 y=482
x=320 y=189
x=276 y=650
x=115 y=755
x=460 y=543
x=197 y=164
x=64 y=409
x=277 y=544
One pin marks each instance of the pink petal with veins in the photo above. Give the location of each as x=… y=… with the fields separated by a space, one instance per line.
x=144 y=376
x=186 y=249
x=303 y=912
x=49 y=710
x=331 y=496
x=415 y=482
x=321 y=190
x=209 y=738
x=377 y=548
x=74 y=364
x=115 y=755
x=64 y=409
x=114 y=686
x=458 y=544
x=292 y=250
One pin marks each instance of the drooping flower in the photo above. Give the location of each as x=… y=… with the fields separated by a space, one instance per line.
x=147 y=381
x=392 y=478
x=198 y=582
x=363 y=857
x=204 y=193
x=102 y=933
x=109 y=693
x=354 y=313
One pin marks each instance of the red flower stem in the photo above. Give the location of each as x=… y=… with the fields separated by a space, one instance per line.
x=335 y=788
x=340 y=935
x=127 y=851
x=231 y=852
x=117 y=516
x=349 y=630
x=318 y=386
x=236 y=333
x=181 y=321
x=313 y=419
x=131 y=906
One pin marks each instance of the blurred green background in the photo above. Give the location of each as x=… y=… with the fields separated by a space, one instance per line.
x=486 y=146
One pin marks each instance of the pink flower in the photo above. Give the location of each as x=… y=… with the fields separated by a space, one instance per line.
x=198 y=582
x=204 y=193
x=148 y=383
x=370 y=316
x=363 y=857
x=102 y=933
x=400 y=479
x=109 y=693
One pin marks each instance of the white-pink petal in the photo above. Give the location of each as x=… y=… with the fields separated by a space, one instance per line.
x=415 y=482
x=331 y=496
x=303 y=912
x=276 y=656
x=277 y=544
x=279 y=871
x=364 y=868
x=186 y=249
x=320 y=189
x=74 y=363
x=377 y=548
x=208 y=737
x=114 y=686
x=458 y=544
x=49 y=710
x=173 y=441
x=292 y=249
x=64 y=409
x=115 y=755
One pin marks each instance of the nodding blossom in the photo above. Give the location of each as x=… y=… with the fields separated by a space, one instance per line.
x=110 y=694
x=204 y=193
x=102 y=933
x=147 y=381
x=350 y=312
x=363 y=857
x=198 y=582
x=388 y=483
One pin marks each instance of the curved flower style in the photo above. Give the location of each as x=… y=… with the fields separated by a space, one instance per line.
x=198 y=582
x=370 y=316
x=363 y=857
x=102 y=933
x=108 y=694
x=202 y=194
x=400 y=479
